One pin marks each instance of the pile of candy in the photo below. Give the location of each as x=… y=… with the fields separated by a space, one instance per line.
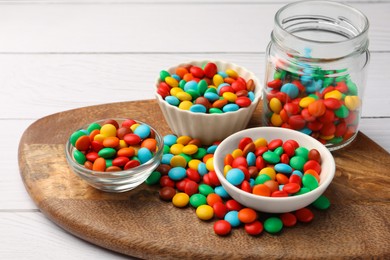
x=111 y=146
x=186 y=176
x=274 y=169
x=206 y=90
x=315 y=102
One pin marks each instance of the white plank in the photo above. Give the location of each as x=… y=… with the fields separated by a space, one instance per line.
x=166 y=1
x=30 y=235
x=53 y=83
x=155 y=27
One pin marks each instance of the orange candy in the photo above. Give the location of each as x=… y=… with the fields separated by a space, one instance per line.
x=111 y=141
x=247 y=215
x=213 y=198
x=126 y=152
x=99 y=164
x=150 y=143
x=181 y=71
x=83 y=143
x=317 y=108
x=261 y=190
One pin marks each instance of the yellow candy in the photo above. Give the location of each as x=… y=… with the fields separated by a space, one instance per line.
x=210 y=164
x=237 y=153
x=134 y=126
x=334 y=94
x=122 y=144
x=326 y=137
x=183 y=96
x=229 y=96
x=176 y=149
x=193 y=164
x=269 y=171
x=352 y=102
x=185 y=105
x=176 y=90
x=108 y=130
x=180 y=199
x=275 y=105
x=232 y=73
x=99 y=138
x=190 y=149
x=306 y=101
x=276 y=119
x=183 y=139
x=260 y=142
x=217 y=80
x=171 y=82
x=205 y=212
x=178 y=161
x=226 y=169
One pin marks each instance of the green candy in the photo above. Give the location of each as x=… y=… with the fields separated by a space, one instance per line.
x=205 y=189
x=260 y=179
x=76 y=135
x=352 y=88
x=194 y=93
x=297 y=162
x=215 y=110
x=200 y=153
x=164 y=74
x=342 y=112
x=108 y=163
x=303 y=152
x=271 y=157
x=273 y=225
x=107 y=152
x=79 y=157
x=186 y=156
x=182 y=83
x=154 y=178
x=336 y=140
x=302 y=190
x=279 y=151
x=213 y=90
x=166 y=149
x=309 y=181
x=202 y=87
x=198 y=199
x=321 y=203
x=93 y=126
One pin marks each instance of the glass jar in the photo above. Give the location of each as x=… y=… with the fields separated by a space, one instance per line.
x=316 y=68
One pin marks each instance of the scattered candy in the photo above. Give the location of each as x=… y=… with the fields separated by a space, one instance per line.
x=197 y=184
x=111 y=146
x=206 y=90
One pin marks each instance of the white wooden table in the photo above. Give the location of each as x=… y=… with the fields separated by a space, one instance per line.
x=59 y=55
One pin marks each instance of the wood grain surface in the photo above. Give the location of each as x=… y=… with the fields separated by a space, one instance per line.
x=139 y=224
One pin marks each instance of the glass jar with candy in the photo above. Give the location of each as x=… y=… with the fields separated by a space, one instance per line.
x=316 y=68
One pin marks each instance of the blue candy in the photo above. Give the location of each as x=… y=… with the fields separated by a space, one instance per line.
x=144 y=155
x=198 y=108
x=251 y=159
x=177 y=173
x=283 y=168
x=166 y=158
x=170 y=140
x=142 y=131
x=290 y=89
x=172 y=100
x=211 y=96
x=232 y=218
x=191 y=85
x=230 y=108
x=220 y=190
x=235 y=176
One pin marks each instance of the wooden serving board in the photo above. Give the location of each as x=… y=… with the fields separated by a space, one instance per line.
x=139 y=224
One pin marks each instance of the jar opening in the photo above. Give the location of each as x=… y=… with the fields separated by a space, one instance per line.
x=332 y=29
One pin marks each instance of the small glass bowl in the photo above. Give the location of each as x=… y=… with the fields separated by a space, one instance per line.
x=275 y=204
x=119 y=181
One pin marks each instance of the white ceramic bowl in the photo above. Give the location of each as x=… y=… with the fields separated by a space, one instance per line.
x=274 y=204
x=119 y=181
x=210 y=127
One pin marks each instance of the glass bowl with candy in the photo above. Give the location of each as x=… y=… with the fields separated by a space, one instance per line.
x=208 y=100
x=114 y=155
x=273 y=169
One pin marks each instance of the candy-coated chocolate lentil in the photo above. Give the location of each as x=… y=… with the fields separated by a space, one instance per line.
x=154 y=178
x=107 y=152
x=297 y=162
x=232 y=218
x=271 y=157
x=205 y=189
x=205 y=212
x=261 y=190
x=220 y=209
x=144 y=155
x=247 y=215
x=321 y=203
x=254 y=228
x=233 y=205
x=79 y=157
x=262 y=178
x=304 y=215
x=222 y=227
x=180 y=199
x=108 y=130
x=291 y=187
x=198 y=199
x=220 y=190
x=273 y=225
x=99 y=164
x=288 y=219
x=309 y=181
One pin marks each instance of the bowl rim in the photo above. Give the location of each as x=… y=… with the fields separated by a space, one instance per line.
x=117 y=174
x=258 y=90
x=323 y=151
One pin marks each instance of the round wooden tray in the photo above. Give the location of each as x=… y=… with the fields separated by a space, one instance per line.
x=139 y=224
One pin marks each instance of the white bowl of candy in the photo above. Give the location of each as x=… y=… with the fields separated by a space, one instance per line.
x=208 y=100
x=290 y=147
